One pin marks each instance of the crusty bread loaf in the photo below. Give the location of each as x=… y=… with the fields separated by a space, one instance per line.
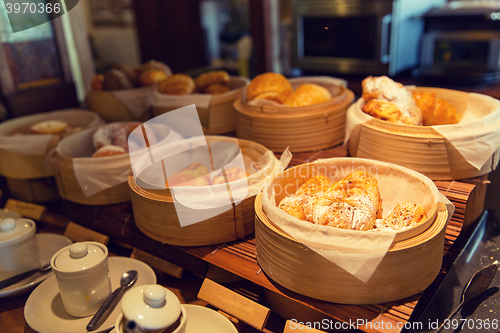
x=308 y=94
x=177 y=84
x=272 y=86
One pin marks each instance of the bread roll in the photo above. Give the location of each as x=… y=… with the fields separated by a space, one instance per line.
x=151 y=76
x=271 y=86
x=97 y=82
x=405 y=214
x=206 y=79
x=435 y=110
x=308 y=94
x=232 y=174
x=177 y=84
x=117 y=134
x=49 y=127
x=109 y=150
x=129 y=72
x=193 y=175
x=215 y=89
x=115 y=79
x=153 y=64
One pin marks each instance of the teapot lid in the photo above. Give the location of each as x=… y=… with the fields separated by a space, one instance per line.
x=79 y=256
x=15 y=230
x=153 y=307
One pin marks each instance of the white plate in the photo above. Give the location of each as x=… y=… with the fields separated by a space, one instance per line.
x=44 y=311
x=48 y=244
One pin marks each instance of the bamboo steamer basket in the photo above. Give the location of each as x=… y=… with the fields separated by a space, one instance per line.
x=155 y=213
x=300 y=129
x=67 y=183
x=111 y=109
x=419 y=148
x=409 y=266
x=218 y=118
x=28 y=166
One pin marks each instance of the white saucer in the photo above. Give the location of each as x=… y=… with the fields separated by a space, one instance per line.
x=202 y=319
x=44 y=311
x=48 y=244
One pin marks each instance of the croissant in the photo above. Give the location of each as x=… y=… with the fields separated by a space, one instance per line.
x=435 y=110
x=271 y=86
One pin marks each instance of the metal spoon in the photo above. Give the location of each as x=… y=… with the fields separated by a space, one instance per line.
x=19 y=277
x=127 y=279
x=477 y=284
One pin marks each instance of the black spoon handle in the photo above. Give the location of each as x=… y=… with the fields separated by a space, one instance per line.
x=105 y=309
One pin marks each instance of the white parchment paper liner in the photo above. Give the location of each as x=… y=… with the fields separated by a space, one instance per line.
x=38 y=144
x=200 y=100
x=476 y=136
x=260 y=169
x=357 y=252
x=136 y=100
x=330 y=83
x=95 y=174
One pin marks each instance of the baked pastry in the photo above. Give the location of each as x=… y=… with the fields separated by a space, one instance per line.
x=115 y=79
x=129 y=72
x=195 y=174
x=153 y=64
x=353 y=211
x=49 y=127
x=300 y=204
x=216 y=88
x=232 y=174
x=177 y=84
x=151 y=76
x=271 y=86
x=110 y=150
x=360 y=182
x=385 y=89
x=387 y=111
x=206 y=79
x=435 y=110
x=308 y=94
x=120 y=134
x=405 y=214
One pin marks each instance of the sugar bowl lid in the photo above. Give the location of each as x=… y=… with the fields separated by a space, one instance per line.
x=79 y=256
x=15 y=230
x=153 y=307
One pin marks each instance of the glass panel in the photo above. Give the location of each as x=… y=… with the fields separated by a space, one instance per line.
x=340 y=37
x=461 y=53
x=32 y=54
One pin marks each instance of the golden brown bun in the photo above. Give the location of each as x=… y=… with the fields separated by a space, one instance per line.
x=215 y=89
x=153 y=64
x=97 y=82
x=308 y=94
x=115 y=79
x=193 y=175
x=383 y=110
x=206 y=79
x=435 y=110
x=314 y=186
x=405 y=214
x=49 y=127
x=272 y=86
x=152 y=76
x=177 y=84
x=110 y=150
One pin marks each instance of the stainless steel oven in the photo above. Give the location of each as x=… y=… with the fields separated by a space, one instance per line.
x=358 y=36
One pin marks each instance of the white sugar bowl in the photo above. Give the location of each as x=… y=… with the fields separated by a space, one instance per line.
x=154 y=308
x=18 y=247
x=82 y=275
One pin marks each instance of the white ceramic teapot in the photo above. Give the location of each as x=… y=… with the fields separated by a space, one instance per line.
x=154 y=308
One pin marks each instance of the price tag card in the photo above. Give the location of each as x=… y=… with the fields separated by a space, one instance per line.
x=26 y=209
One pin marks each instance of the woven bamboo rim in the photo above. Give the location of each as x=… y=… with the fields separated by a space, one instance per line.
x=301 y=129
x=409 y=266
x=417 y=147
